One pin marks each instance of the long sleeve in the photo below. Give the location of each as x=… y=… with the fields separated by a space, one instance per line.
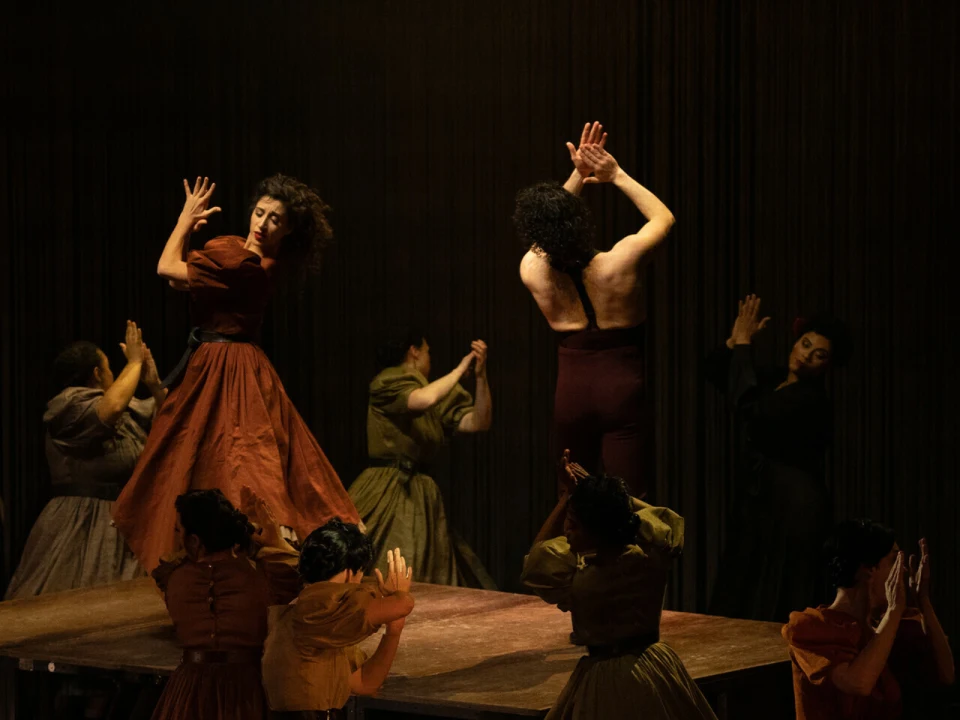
x=716 y=367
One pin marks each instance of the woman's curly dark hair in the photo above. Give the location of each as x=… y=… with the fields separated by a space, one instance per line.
x=75 y=364
x=211 y=517
x=550 y=220
x=855 y=543
x=301 y=252
x=601 y=505
x=393 y=350
x=832 y=328
x=333 y=548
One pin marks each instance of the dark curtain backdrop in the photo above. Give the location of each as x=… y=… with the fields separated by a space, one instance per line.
x=808 y=150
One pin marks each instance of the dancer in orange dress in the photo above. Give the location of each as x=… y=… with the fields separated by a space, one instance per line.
x=227 y=421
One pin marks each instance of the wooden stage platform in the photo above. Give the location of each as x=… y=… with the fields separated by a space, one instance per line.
x=464 y=653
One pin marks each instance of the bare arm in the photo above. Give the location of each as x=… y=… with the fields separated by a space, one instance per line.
x=480 y=418
x=369 y=678
x=941 y=645
x=859 y=676
x=574 y=183
x=659 y=218
x=426 y=397
x=117 y=397
x=172 y=264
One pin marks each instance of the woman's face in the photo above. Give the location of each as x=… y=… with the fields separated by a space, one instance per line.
x=269 y=224
x=103 y=375
x=877 y=578
x=421 y=358
x=810 y=356
x=577 y=537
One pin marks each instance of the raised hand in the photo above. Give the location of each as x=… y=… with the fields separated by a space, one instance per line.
x=195 y=212
x=919 y=579
x=603 y=164
x=896 y=587
x=260 y=514
x=747 y=324
x=133 y=343
x=591 y=135
x=149 y=376
x=399 y=576
x=480 y=354
x=464 y=365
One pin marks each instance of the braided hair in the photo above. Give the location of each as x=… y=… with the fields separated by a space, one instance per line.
x=212 y=518
x=333 y=548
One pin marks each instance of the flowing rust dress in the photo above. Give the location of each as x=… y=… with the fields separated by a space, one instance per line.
x=229 y=422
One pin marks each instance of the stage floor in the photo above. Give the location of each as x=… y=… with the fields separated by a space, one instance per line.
x=464 y=653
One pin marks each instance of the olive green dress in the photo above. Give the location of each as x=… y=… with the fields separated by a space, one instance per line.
x=614 y=600
x=400 y=505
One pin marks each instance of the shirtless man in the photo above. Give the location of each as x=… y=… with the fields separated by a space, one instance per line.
x=593 y=299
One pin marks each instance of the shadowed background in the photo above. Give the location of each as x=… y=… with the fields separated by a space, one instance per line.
x=807 y=149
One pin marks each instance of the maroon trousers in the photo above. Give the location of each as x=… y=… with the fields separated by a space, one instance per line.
x=600 y=411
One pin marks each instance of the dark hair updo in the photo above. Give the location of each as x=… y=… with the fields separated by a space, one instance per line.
x=856 y=543
x=832 y=328
x=301 y=252
x=333 y=548
x=75 y=364
x=601 y=505
x=393 y=350
x=211 y=517
x=558 y=223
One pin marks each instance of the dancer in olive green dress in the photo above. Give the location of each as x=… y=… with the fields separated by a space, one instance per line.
x=604 y=557
x=408 y=419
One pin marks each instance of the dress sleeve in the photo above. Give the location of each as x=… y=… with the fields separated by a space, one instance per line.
x=660 y=528
x=168 y=564
x=279 y=566
x=78 y=426
x=817 y=646
x=389 y=392
x=549 y=570
x=333 y=619
x=453 y=407
x=804 y=404
x=223 y=263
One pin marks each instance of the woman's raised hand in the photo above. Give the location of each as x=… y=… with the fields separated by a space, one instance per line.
x=399 y=576
x=195 y=211
x=603 y=164
x=747 y=323
x=133 y=343
x=896 y=587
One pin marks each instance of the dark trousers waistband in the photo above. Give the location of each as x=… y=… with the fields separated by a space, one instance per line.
x=209 y=657
x=596 y=339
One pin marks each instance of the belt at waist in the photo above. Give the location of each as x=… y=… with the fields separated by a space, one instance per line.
x=627 y=646
x=207 y=657
x=408 y=467
x=100 y=491
x=195 y=339
x=337 y=714
x=595 y=339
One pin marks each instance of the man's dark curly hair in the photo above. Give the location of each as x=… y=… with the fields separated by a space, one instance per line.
x=333 y=548
x=301 y=252
x=550 y=220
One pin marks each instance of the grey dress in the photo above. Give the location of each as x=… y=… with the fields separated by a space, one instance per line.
x=74 y=543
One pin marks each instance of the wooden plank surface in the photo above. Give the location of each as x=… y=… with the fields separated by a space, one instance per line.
x=475 y=649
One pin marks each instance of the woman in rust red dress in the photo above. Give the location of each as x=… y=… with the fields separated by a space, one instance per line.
x=217 y=592
x=227 y=421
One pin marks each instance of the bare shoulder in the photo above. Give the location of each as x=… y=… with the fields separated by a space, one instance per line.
x=533 y=267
